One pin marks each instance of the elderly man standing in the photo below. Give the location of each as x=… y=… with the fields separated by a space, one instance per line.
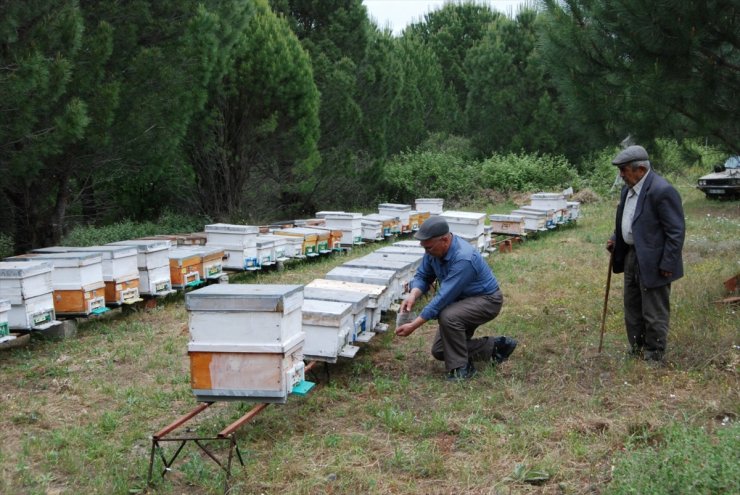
x=468 y=296
x=646 y=245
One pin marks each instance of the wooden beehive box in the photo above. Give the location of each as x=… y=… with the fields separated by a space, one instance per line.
x=238 y=243
x=412 y=250
x=574 y=210
x=534 y=221
x=402 y=212
x=310 y=239
x=391 y=224
x=371 y=276
x=152 y=259
x=282 y=248
x=328 y=326
x=212 y=257
x=507 y=224
x=77 y=279
x=465 y=223
x=555 y=201
x=393 y=253
x=404 y=270
x=434 y=206
x=361 y=314
x=378 y=298
x=372 y=230
x=415 y=220
x=350 y=224
x=28 y=287
x=553 y=216
x=246 y=341
x=186 y=266
x=265 y=251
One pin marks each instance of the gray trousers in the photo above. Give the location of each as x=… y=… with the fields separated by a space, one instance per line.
x=646 y=311
x=454 y=343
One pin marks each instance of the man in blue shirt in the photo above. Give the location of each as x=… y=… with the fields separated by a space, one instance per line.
x=468 y=296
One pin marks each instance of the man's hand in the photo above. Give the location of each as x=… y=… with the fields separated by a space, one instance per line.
x=610 y=245
x=408 y=302
x=405 y=330
x=666 y=274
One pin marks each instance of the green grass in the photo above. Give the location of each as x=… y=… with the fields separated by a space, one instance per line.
x=556 y=418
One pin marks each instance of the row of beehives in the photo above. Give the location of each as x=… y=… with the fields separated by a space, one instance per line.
x=62 y=281
x=248 y=342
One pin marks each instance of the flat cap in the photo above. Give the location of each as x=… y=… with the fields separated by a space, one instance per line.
x=432 y=227
x=632 y=153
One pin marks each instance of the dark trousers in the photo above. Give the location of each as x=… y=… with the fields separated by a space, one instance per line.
x=454 y=343
x=646 y=311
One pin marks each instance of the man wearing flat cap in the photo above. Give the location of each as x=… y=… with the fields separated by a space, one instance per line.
x=468 y=296
x=646 y=246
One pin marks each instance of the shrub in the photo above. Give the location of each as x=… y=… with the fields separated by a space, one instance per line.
x=598 y=173
x=168 y=223
x=6 y=246
x=525 y=172
x=687 y=461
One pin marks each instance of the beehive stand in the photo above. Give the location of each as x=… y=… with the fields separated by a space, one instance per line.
x=227 y=435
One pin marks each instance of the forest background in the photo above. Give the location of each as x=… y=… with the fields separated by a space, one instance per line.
x=254 y=111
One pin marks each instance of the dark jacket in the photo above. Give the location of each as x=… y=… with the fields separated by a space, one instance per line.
x=658 y=229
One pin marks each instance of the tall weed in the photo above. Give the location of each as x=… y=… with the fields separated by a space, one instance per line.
x=523 y=172
x=422 y=174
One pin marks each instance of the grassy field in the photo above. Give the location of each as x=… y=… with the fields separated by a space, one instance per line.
x=557 y=418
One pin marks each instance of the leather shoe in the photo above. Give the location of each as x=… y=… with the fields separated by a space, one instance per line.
x=502 y=349
x=462 y=373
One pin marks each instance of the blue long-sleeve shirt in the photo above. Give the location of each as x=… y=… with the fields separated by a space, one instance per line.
x=462 y=272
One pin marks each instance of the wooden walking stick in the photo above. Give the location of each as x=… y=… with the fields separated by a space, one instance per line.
x=606 y=299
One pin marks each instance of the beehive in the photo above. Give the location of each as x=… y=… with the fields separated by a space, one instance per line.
x=371 y=276
x=409 y=244
x=310 y=239
x=411 y=250
x=391 y=224
x=403 y=269
x=212 y=261
x=403 y=213
x=120 y=270
x=282 y=246
x=378 y=298
x=328 y=326
x=415 y=220
x=574 y=210
x=556 y=201
x=152 y=258
x=186 y=266
x=350 y=224
x=465 y=223
x=265 y=251
x=246 y=341
x=77 y=280
x=238 y=243
x=533 y=220
x=393 y=253
x=27 y=286
x=372 y=230
x=361 y=314
x=507 y=224
x=4 y=310
x=435 y=206
x=553 y=216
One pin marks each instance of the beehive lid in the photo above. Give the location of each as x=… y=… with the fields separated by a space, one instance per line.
x=304 y=231
x=263 y=242
x=372 y=223
x=23 y=269
x=506 y=218
x=537 y=208
x=245 y=297
x=70 y=259
x=363 y=275
x=145 y=245
x=409 y=250
x=323 y=214
x=204 y=251
x=228 y=228
x=379 y=218
x=324 y=313
x=184 y=253
x=394 y=206
x=407 y=244
x=4 y=305
x=107 y=252
x=548 y=196
x=463 y=216
x=358 y=300
x=277 y=239
x=374 y=290
x=380 y=262
x=430 y=200
x=341 y=215
x=530 y=213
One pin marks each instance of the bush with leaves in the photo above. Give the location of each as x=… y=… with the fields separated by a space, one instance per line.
x=435 y=174
x=168 y=223
x=528 y=172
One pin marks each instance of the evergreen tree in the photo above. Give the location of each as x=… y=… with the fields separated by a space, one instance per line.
x=663 y=68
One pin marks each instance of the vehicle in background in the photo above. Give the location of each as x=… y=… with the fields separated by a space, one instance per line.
x=724 y=182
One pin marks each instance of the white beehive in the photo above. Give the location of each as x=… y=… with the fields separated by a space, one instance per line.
x=152 y=258
x=361 y=314
x=372 y=230
x=26 y=285
x=403 y=213
x=328 y=326
x=393 y=253
x=265 y=251
x=238 y=243
x=554 y=217
x=371 y=276
x=4 y=310
x=574 y=210
x=350 y=224
x=432 y=205
x=465 y=223
x=409 y=244
x=404 y=270
x=555 y=201
x=507 y=224
x=283 y=247
x=77 y=280
x=120 y=271
x=246 y=341
x=378 y=298
x=391 y=224
x=533 y=220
